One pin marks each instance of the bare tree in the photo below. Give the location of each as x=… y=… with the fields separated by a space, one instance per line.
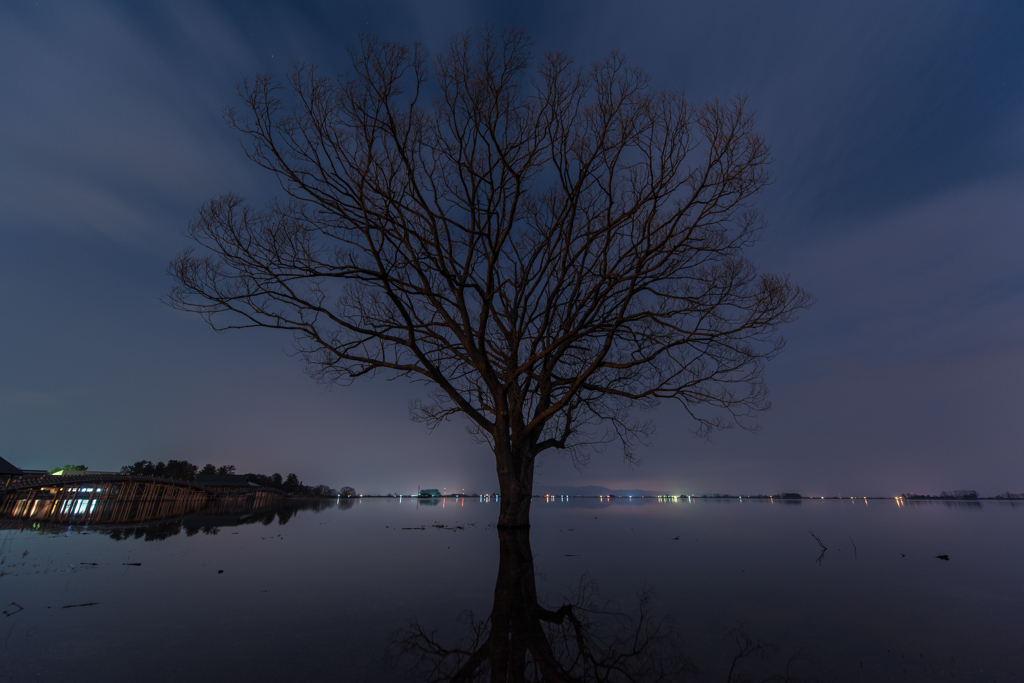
x=552 y=247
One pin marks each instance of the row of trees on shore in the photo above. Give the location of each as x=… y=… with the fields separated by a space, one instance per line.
x=187 y=471
x=959 y=494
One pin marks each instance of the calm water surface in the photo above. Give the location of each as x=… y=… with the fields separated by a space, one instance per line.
x=392 y=591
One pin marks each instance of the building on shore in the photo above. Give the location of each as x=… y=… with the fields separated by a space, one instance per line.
x=9 y=472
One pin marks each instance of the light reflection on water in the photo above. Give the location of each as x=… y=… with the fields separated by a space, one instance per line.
x=339 y=593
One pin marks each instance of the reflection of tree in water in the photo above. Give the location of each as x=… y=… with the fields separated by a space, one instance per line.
x=580 y=641
x=151 y=532
x=523 y=641
x=963 y=504
x=211 y=524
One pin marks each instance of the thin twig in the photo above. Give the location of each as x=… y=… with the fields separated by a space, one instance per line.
x=823 y=548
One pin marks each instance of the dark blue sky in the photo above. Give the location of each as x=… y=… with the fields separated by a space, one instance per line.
x=898 y=135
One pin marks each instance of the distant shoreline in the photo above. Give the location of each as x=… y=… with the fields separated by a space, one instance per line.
x=712 y=497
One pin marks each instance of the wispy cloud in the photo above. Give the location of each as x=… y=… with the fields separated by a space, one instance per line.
x=115 y=123
x=941 y=276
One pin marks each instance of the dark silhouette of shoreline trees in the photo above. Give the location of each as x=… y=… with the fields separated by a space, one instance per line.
x=68 y=468
x=553 y=248
x=172 y=469
x=186 y=471
x=211 y=469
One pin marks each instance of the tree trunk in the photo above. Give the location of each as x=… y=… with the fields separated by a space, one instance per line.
x=515 y=485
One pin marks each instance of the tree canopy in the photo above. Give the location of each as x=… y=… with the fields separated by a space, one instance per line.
x=554 y=248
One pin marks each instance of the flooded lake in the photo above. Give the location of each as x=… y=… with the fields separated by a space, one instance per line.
x=631 y=590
